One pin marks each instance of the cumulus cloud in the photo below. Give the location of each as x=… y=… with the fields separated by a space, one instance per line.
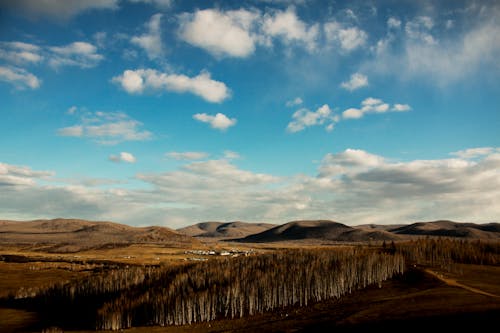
x=237 y=33
x=220 y=121
x=58 y=9
x=220 y=33
x=107 y=128
x=373 y=105
x=420 y=28
x=231 y=155
x=305 y=118
x=352 y=186
x=19 y=78
x=80 y=54
x=151 y=40
x=290 y=28
x=356 y=81
x=139 y=80
x=187 y=155
x=348 y=38
x=123 y=157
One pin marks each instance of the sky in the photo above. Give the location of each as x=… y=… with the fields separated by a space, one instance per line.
x=169 y=112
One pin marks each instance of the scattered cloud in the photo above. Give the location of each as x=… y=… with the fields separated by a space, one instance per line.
x=20 y=53
x=305 y=118
x=356 y=81
x=187 y=155
x=346 y=188
x=151 y=41
x=472 y=153
x=290 y=28
x=220 y=121
x=19 y=78
x=123 y=157
x=139 y=80
x=348 y=38
x=107 y=128
x=393 y=23
x=373 y=105
x=15 y=175
x=294 y=102
x=419 y=29
x=80 y=54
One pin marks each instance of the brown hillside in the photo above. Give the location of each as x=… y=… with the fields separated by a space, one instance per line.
x=318 y=230
x=69 y=235
x=450 y=229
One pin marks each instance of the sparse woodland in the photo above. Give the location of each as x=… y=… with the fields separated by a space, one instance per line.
x=236 y=287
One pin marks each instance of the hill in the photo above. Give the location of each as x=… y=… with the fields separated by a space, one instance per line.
x=225 y=230
x=450 y=229
x=322 y=230
x=71 y=235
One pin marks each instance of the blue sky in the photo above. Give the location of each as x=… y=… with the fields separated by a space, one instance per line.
x=174 y=112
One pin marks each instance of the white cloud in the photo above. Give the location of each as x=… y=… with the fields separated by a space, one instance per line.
x=472 y=153
x=123 y=157
x=419 y=29
x=348 y=38
x=294 y=102
x=19 y=78
x=393 y=23
x=80 y=54
x=20 y=53
x=401 y=107
x=15 y=175
x=220 y=121
x=187 y=155
x=107 y=128
x=373 y=105
x=352 y=186
x=137 y=81
x=290 y=28
x=356 y=81
x=59 y=9
x=151 y=41
x=220 y=33
x=305 y=118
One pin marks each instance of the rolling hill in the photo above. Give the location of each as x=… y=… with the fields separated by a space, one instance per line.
x=323 y=230
x=68 y=235
x=225 y=230
x=450 y=229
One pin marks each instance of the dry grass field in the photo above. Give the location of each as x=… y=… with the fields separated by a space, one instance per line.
x=443 y=286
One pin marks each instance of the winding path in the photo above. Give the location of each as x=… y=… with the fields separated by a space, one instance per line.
x=454 y=283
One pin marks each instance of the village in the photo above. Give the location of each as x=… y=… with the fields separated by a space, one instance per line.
x=223 y=253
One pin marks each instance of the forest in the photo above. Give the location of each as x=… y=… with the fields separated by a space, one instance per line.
x=236 y=287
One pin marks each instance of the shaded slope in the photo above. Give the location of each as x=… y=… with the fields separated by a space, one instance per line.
x=225 y=230
x=318 y=230
x=450 y=229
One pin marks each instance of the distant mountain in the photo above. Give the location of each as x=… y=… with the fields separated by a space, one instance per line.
x=68 y=235
x=225 y=230
x=318 y=230
x=450 y=229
